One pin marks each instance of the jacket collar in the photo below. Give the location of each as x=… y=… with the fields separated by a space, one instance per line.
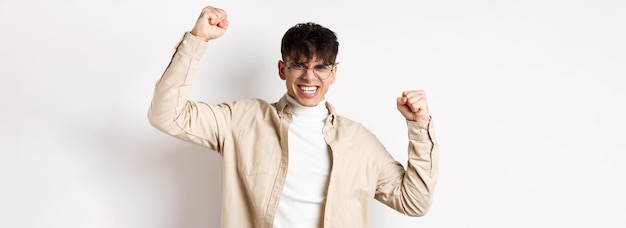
x=283 y=107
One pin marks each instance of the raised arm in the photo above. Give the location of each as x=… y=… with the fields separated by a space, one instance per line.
x=410 y=191
x=170 y=110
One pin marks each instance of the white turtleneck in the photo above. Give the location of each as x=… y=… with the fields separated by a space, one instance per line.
x=304 y=195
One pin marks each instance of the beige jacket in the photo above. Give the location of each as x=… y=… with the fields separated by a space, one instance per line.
x=251 y=136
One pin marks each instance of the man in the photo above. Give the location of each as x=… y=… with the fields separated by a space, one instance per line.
x=296 y=163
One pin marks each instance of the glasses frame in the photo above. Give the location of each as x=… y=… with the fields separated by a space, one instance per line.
x=305 y=69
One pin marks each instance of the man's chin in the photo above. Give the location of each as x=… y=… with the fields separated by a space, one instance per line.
x=309 y=102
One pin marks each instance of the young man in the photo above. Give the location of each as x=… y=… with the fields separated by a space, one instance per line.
x=296 y=163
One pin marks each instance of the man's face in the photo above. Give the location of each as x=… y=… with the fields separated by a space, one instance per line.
x=303 y=84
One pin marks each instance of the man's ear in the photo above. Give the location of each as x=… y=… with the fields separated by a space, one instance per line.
x=281 y=70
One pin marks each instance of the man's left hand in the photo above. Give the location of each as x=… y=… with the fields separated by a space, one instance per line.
x=413 y=106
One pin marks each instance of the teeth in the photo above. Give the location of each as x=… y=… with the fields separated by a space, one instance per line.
x=308 y=89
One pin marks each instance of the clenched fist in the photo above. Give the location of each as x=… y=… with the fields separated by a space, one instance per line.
x=413 y=106
x=211 y=24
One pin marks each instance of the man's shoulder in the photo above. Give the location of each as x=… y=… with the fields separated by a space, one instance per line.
x=252 y=101
x=347 y=124
x=346 y=120
x=248 y=106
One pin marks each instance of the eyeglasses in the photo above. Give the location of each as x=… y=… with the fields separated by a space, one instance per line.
x=321 y=71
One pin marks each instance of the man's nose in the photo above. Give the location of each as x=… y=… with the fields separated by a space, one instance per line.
x=309 y=73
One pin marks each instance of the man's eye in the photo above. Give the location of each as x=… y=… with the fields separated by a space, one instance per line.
x=321 y=67
x=298 y=66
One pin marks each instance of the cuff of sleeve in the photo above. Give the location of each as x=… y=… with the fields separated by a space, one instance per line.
x=420 y=131
x=192 y=46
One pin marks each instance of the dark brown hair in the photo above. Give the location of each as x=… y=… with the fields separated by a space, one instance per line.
x=308 y=40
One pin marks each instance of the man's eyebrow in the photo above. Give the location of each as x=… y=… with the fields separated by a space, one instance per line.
x=305 y=63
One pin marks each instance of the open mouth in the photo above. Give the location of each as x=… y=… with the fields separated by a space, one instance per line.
x=308 y=89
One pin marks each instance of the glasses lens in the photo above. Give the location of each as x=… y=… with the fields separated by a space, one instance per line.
x=322 y=71
x=297 y=69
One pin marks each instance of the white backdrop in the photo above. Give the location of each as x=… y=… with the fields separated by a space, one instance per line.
x=526 y=94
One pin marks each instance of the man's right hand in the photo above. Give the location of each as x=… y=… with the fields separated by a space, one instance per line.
x=211 y=24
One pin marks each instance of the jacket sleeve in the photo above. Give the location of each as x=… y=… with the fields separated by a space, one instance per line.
x=410 y=191
x=172 y=113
